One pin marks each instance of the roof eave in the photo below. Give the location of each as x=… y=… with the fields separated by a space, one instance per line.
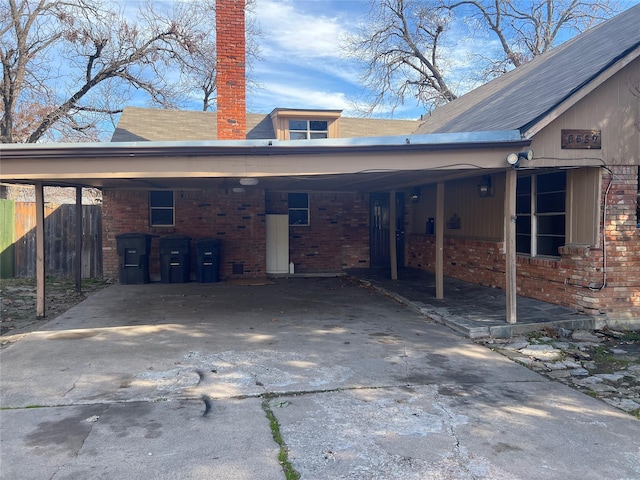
x=404 y=143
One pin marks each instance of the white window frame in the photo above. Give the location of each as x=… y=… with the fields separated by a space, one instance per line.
x=299 y=209
x=308 y=132
x=153 y=208
x=534 y=215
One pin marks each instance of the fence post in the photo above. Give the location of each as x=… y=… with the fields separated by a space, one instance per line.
x=78 y=246
x=40 y=273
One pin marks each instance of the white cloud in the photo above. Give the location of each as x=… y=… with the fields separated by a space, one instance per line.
x=290 y=31
x=302 y=65
x=308 y=34
x=290 y=96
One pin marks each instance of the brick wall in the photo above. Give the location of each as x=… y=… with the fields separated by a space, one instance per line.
x=338 y=234
x=237 y=220
x=230 y=80
x=622 y=242
x=576 y=278
x=337 y=238
x=475 y=261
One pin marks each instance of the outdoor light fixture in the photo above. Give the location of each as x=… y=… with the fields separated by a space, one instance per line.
x=527 y=154
x=484 y=187
x=415 y=194
x=248 y=181
x=513 y=159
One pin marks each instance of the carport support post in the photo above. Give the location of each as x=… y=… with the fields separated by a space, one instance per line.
x=40 y=280
x=510 y=243
x=439 y=240
x=393 y=227
x=78 y=247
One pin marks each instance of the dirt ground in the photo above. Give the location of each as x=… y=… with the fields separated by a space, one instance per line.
x=18 y=303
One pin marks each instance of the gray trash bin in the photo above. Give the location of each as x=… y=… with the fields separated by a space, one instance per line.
x=175 y=260
x=208 y=260
x=133 y=257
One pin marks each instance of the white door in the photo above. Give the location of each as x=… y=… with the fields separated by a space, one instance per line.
x=277 y=243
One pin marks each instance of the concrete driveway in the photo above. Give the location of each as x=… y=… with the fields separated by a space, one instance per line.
x=362 y=388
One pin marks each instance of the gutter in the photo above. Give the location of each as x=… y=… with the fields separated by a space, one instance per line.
x=428 y=142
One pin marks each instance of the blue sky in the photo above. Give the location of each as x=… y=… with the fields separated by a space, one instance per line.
x=301 y=65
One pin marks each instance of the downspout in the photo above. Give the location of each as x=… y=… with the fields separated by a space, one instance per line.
x=604 y=232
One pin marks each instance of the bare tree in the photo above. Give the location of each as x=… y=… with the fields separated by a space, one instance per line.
x=528 y=29
x=198 y=67
x=70 y=65
x=399 y=44
x=405 y=46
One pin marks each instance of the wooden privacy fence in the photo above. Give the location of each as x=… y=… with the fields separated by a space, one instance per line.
x=18 y=240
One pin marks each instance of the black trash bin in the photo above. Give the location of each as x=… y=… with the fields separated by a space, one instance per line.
x=208 y=260
x=133 y=257
x=174 y=259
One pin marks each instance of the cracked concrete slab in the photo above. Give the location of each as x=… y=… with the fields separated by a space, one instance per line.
x=140 y=440
x=487 y=431
x=362 y=387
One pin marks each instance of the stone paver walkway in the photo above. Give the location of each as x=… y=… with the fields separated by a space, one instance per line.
x=602 y=364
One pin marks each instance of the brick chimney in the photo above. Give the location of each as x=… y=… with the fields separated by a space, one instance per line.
x=231 y=80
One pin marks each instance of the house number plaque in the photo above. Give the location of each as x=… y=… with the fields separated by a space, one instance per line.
x=582 y=139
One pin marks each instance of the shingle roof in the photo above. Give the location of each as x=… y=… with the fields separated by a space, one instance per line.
x=151 y=124
x=521 y=97
x=375 y=127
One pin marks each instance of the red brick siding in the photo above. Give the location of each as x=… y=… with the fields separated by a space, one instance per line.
x=236 y=219
x=474 y=261
x=231 y=82
x=622 y=243
x=573 y=280
x=337 y=237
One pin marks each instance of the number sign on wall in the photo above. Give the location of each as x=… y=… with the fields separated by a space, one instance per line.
x=582 y=139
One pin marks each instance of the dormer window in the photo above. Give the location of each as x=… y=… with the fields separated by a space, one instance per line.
x=296 y=124
x=308 y=129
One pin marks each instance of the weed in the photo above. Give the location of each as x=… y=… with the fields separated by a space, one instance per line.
x=606 y=361
x=534 y=335
x=283 y=455
x=27 y=407
x=631 y=336
x=544 y=332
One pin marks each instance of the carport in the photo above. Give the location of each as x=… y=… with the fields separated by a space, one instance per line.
x=374 y=164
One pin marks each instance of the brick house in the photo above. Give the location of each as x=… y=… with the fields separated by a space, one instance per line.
x=528 y=183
